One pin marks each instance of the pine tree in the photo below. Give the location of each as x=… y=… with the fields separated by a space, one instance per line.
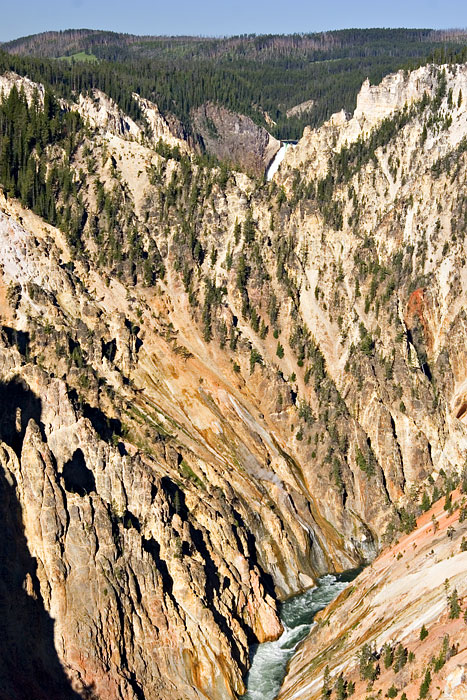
x=425 y=686
x=341 y=688
x=454 y=607
x=400 y=658
x=326 y=689
x=425 y=502
x=388 y=655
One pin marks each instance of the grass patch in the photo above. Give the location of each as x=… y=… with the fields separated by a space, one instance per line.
x=188 y=473
x=81 y=57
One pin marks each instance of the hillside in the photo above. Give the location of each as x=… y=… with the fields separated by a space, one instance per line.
x=243 y=74
x=215 y=388
x=401 y=627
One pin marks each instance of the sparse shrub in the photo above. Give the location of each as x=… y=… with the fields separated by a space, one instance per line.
x=448 y=502
x=365 y=466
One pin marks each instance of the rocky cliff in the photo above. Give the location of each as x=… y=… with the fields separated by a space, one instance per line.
x=117 y=551
x=235 y=139
x=217 y=389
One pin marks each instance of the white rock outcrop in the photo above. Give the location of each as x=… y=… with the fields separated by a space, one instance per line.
x=8 y=80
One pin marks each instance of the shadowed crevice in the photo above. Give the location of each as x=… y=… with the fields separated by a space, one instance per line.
x=18 y=405
x=77 y=476
x=18 y=339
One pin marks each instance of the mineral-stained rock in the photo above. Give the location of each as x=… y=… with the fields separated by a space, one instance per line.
x=408 y=586
x=107 y=566
x=227 y=388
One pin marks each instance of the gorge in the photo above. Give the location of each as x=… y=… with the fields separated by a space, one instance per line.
x=219 y=388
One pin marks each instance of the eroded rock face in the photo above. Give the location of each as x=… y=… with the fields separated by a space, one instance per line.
x=133 y=594
x=132 y=549
x=374 y=104
x=240 y=398
x=31 y=89
x=102 y=112
x=455 y=687
x=168 y=130
x=235 y=138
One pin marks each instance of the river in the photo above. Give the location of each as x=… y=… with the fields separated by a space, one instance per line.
x=269 y=660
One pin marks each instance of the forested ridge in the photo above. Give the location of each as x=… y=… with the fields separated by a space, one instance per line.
x=260 y=76
x=28 y=168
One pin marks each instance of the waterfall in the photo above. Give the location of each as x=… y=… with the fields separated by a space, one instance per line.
x=278 y=158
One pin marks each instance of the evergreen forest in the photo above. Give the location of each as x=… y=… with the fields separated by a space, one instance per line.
x=263 y=77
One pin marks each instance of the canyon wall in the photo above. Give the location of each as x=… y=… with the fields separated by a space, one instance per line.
x=217 y=389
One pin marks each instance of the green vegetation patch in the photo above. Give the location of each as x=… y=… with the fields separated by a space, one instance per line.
x=245 y=73
x=80 y=56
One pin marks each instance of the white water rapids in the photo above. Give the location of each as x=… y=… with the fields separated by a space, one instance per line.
x=270 y=659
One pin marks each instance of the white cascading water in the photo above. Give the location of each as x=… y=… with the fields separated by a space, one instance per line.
x=278 y=158
x=270 y=659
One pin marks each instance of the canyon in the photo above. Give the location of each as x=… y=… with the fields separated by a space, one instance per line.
x=218 y=388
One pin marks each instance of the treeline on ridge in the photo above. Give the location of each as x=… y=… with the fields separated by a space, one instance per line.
x=246 y=73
